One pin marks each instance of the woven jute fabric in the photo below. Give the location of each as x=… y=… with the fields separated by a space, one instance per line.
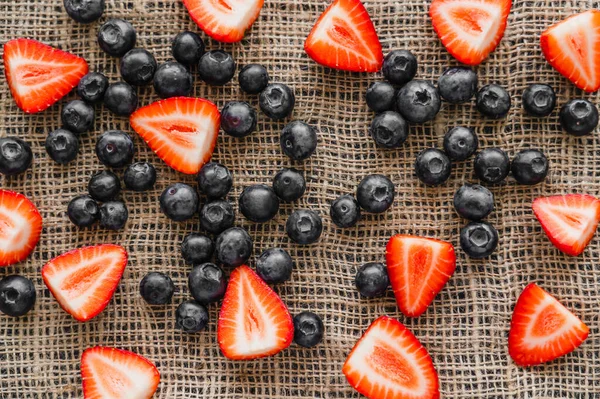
x=465 y=329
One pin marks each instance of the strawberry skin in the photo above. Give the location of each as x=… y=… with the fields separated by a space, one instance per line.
x=39 y=75
x=389 y=362
x=344 y=38
x=542 y=329
x=418 y=268
x=20 y=227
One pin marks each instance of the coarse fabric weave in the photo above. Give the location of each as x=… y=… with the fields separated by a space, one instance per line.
x=465 y=329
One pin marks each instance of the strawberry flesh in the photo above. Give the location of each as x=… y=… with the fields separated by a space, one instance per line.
x=20 y=227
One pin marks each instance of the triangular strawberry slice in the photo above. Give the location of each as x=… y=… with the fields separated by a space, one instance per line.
x=470 y=29
x=572 y=47
x=418 y=267
x=253 y=321
x=570 y=221
x=20 y=227
x=389 y=362
x=182 y=131
x=344 y=38
x=110 y=373
x=39 y=75
x=542 y=329
x=84 y=280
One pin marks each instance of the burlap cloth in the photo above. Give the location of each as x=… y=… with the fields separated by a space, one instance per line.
x=466 y=327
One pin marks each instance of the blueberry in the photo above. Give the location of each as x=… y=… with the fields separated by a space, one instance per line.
x=381 y=96
x=539 y=100
x=298 y=140
x=84 y=11
x=179 y=202
x=457 y=84
x=389 y=129
x=214 y=180
x=91 y=87
x=372 y=280
x=115 y=148
x=492 y=165
x=345 y=211
x=216 y=67
x=399 y=67
x=207 y=283
x=234 y=246
x=187 y=48
x=289 y=184
x=259 y=203
x=274 y=266
x=308 y=329
x=120 y=99
x=253 y=78
x=113 y=215
x=15 y=156
x=77 y=116
x=493 y=101
x=460 y=143
x=579 y=117
x=83 y=211
x=304 y=226
x=478 y=239
x=138 y=67
x=17 y=295
x=191 y=317
x=277 y=101
x=238 y=119
x=432 y=167
x=140 y=176
x=157 y=288
x=62 y=146
x=418 y=101
x=116 y=37
x=104 y=186
x=375 y=193
x=197 y=248
x=529 y=167
x=473 y=202
x=172 y=79
x=216 y=216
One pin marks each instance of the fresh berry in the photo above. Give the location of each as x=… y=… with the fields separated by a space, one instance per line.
x=460 y=143
x=372 y=280
x=579 y=117
x=458 y=84
x=216 y=216
x=104 y=186
x=116 y=37
x=214 y=180
x=17 y=295
x=191 y=317
x=234 y=246
x=277 y=101
x=399 y=67
x=345 y=211
x=274 y=266
x=253 y=78
x=344 y=38
x=375 y=193
x=259 y=203
x=120 y=99
x=84 y=280
x=493 y=101
x=473 y=202
x=381 y=96
x=308 y=329
x=491 y=165
x=238 y=119
x=115 y=148
x=207 y=283
x=140 y=176
x=21 y=227
x=197 y=248
x=304 y=226
x=418 y=101
x=39 y=75
x=181 y=131
x=113 y=215
x=389 y=129
x=569 y=221
x=77 y=116
x=15 y=156
x=179 y=202
x=138 y=67
x=478 y=239
x=298 y=140
x=289 y=184
x=539 y=100
x=542 y=329
x=390 y=362
x=253 y=321
x=216 y=67
x=62 y=146
x=529 y=167
x=187 y=48
x=157 y=288
x=172 y=79
x=83 y=211
x=91 y=87
x=418 y=268
x=84 y=11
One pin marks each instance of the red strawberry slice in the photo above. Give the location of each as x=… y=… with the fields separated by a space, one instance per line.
x=542 y=329
x=182 y=131
x=110 y=373
x=470 y=29
x=20 y=227
x=39 y=75
x=84 y=280
x=344 y=38
x=224 y=20
x=572 y=47
x=253 y=322
x=389 y=362
x=569 y=221
x=419 y=268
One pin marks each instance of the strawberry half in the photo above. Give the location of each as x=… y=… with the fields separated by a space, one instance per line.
x=20 y=227
x=542 y=329
x=389 y=362
x=419 y=268
x=470 y=29
x=572 y=47
x=84 y=280
x=39 y=75
x=110 y=373
x=253 y=322
x=224 y=20
x=182 y=131
x=344 y=38
x=569 y=221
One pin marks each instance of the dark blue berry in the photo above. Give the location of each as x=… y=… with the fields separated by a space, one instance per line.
x=140 y=176
x=15 y=156
x=375 y=193
x=115 y=148
x=214 y=180
x=17 y=295
x=418 y=101
x=238 y=119
x=491 y=165
x=478 y=239
x=289 y=184
x=84 y=11
x=389 y=129
x=104 y=186
x=274 y=266
x=473 y=202
x=529 y=167
x=157 y=288
x=217 y=216
x=460 y=143
x=308 y=329
x=113 y=215
x=579 y=117
x=432 y=167
x=187 y=48
x=493 y=101
x=120 y=99
x=172 y=79
x=207 y=283
x=77 y=116
x=116 y=37
x=253 y=78
x=277 y=101
x=539 y=100
x=179 y=202
x=216 y=67
x=298 y=140
x=138 y=67
x=304 y=226
x=197 y=248
x=345 y=211
x=91 y=87
x=457 y=84
x=83 y=211
x=234 y=246
x=191 y=317
x=372 y=280
x=381 y=96
x=62 y=146
x=259 y=203
x=399 y=66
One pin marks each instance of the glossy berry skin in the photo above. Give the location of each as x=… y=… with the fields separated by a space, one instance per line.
x=345 y=211
x=191 y=317
x=277 y=101
x=389 y=129
x=77 y=116
x=274 y=266
x=308 y=329
x=214 y=180
x=457 y=84
x=62 y=146
x=491 y=165
x=84 y=11
x=372 y=280
x=418 y=101
x=289 y=184
x=104 y=186
x=187 y=48
x=217 y=216
x=15 y=156
x=460 y=143
x=179 y=202
x=83 y=211
x=120 y=99
x=579 y=117
x=207 y=283
x=116 y=37
x=478 y=239
x=157 y=288
x=493 y=101
x=173 y=79
x=115 y=148
x=259 y=203
x=253 y=78
x=304 y=226
x=381 y=96
x=197 y=248
x=216 y=67
x=234 y=246
x=375 y=193
x=113 y=215
x=17 y=295
x=140 y=176
x=433 y=167
x=399 y=67
x=238 y=119
x=529 y=167
x=138 y=67
x=473 y=202
x=298 y=140
x=539 y=100
x=91 y=87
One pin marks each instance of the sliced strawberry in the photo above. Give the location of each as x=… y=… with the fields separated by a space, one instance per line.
x=389 y=362
x=470 y=29
x=569 y=221
x=542 y=329
x=419 y=268
x=572 y=47
x=20 y=227
x=84 y=280
x=344 y=38
x=110 y=373
x=253 y=322
x=224 y=20
x=182 y=131
x=39 y=75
